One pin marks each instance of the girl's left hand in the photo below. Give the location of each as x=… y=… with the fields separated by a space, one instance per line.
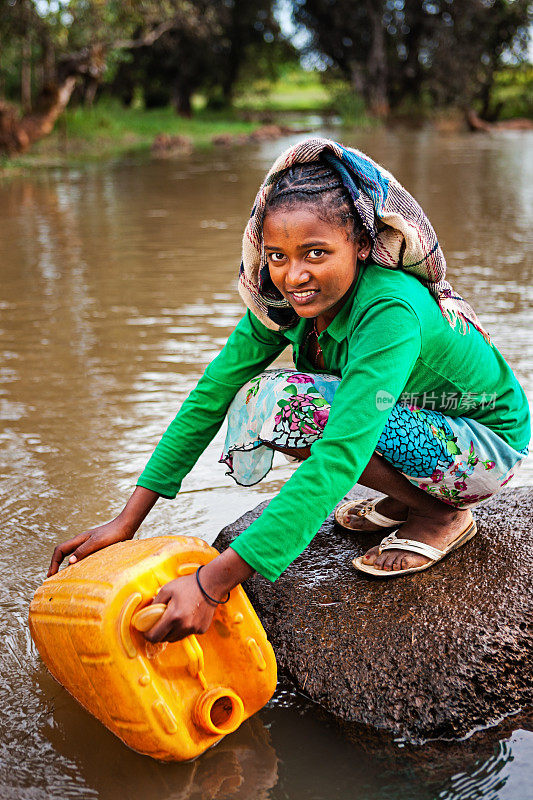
x=187 y=611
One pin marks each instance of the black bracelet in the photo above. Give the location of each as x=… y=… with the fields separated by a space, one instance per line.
x=203 y=591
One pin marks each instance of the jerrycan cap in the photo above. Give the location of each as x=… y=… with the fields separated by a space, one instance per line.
x=219 y=711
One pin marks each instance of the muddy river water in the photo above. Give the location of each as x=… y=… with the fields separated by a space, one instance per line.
x=117 y=287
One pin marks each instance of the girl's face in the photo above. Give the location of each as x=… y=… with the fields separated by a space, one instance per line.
x=312 y=263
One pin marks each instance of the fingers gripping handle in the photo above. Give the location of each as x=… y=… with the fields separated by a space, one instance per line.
x=147 y=617
x=144 y=619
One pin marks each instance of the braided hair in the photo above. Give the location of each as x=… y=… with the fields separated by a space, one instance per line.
x=320 y=187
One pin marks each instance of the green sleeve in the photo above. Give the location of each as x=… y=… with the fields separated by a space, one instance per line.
x=249 y=350
x=383 y=350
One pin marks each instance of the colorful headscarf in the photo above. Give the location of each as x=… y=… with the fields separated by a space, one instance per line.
x=401 y=234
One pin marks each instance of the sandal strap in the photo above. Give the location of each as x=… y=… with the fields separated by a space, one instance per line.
x=391 y=542
x=380 y=519
x=368 y=511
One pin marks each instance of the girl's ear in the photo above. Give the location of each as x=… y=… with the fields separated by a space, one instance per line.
x=364 y=246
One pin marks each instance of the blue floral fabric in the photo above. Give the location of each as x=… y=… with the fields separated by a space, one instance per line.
x=458 y=460
x=417 y=441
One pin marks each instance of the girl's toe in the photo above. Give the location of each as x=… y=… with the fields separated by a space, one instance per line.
x=392 y=560
x=380 y=560
x=355 y=522
x=387 y=563
x=413 y=560
x=370 y=556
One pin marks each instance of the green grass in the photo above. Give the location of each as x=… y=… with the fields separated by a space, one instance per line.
x=295 y=90
x=108 y=130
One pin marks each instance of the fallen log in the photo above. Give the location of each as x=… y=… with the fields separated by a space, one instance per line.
x=476 y=124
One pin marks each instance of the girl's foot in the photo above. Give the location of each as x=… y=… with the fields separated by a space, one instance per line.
x=387 y=506
x=438 y=531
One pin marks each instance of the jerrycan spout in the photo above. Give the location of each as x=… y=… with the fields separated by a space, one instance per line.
x=219 y=711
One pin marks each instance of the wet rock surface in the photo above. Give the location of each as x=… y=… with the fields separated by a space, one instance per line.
x=431 y=655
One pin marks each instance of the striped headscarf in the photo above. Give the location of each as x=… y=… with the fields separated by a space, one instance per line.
x=401 y=234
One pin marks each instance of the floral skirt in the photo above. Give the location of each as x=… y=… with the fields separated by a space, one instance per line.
x=459 y=461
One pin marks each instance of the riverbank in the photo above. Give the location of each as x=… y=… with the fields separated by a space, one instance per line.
x=109 y=130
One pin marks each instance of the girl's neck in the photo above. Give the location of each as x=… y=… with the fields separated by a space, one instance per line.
x=322 y=321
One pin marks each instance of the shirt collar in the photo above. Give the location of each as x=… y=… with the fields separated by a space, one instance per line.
x=297 y=332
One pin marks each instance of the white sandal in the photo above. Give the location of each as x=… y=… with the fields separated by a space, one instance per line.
x=391 y=542
x=368 y=511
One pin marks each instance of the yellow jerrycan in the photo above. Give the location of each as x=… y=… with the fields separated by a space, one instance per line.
x=171 y=701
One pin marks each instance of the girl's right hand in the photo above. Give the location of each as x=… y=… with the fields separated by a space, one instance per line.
x=119 y=529
x=89 y=542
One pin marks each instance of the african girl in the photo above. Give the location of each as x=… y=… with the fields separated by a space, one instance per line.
x=397 y=387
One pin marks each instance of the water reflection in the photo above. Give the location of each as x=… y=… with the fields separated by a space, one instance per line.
x=118 y=287
x=242 y=766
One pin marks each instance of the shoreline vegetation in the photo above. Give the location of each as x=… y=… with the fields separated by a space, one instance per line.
x=263 y=110
x=108 y=130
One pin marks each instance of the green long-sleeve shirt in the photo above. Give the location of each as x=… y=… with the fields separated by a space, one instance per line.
x=388 y=341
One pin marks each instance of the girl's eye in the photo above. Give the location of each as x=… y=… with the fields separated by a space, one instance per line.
x=276 y=256
x=316 y=252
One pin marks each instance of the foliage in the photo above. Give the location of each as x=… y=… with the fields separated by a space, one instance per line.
x=513 y=91
x=391 y=51
x=211 y=58
x=167 y=49
x=348 y=103
x=53 y=29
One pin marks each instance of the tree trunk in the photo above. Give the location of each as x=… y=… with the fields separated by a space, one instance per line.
x=356 y=79
x=411 y=73
x=25 y=72
x=18 y=134
x=377 y=88
x=486 y=97
x=234 y=56
x=89 y=93
x=232 y=71
x=49 y=62
x=181 y=98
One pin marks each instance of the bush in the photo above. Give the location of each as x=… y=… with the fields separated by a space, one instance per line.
x=349 y=105
x=513 y=92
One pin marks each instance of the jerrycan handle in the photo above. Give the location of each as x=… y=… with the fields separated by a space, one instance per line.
x=144 y=619
x=149 y=615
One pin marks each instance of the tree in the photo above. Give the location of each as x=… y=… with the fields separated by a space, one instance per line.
x=249 y=26
x=341 y=31
x=469 y=41
x=208 y=55
x=73 y=41
x=391 y=50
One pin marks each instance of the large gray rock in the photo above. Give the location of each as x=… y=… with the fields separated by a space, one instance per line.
x=430 y=655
